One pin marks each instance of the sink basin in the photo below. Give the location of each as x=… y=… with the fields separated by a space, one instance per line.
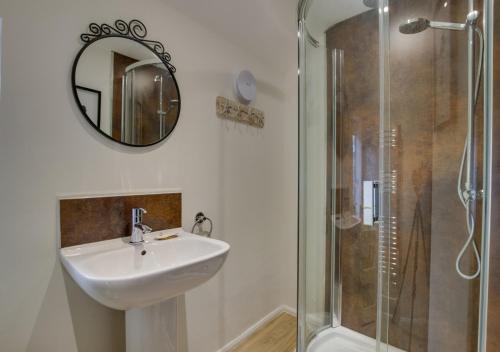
x=121 y=276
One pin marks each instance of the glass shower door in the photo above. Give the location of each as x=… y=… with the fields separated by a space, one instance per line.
x=314 y=308
x=430 y=176
x=391 y=169
x=339 y=151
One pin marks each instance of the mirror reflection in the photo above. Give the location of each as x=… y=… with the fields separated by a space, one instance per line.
x=126 y=91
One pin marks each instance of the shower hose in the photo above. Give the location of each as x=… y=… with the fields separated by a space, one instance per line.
x=468 y=196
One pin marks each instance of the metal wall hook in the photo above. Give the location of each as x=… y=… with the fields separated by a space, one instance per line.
x=199 y=219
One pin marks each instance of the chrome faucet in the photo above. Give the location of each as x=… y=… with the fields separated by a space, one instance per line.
x=138 y=228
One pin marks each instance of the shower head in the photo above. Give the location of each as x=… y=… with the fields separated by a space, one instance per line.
x=414 y=25
x=417 y=25
x=373 y=4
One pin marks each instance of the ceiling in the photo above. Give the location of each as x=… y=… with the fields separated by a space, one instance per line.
x=325 y=13
x=267 y=28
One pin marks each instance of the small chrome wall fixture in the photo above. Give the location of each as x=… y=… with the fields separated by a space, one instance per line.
x=232 y=110
x=199 y=220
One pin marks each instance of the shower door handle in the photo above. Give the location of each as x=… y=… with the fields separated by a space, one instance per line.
x=371 y=202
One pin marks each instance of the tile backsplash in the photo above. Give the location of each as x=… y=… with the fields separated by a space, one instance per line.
x=85 y=220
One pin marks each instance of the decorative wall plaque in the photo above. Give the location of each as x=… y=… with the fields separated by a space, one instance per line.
x=232 y=110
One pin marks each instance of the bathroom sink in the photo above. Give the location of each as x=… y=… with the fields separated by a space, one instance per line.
x=123 y=276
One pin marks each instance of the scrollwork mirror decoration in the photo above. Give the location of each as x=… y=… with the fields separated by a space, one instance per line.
x=124 y=84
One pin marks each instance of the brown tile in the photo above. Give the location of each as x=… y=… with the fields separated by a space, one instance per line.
x=86 y=220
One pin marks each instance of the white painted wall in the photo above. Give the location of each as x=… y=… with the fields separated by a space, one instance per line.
x=242 y=177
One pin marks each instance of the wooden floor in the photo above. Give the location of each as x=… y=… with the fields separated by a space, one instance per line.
x=276 y=336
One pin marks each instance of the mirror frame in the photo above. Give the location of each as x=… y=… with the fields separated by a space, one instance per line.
x=133 y=30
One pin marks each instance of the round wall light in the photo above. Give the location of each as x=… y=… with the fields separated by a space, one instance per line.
x=245 y=86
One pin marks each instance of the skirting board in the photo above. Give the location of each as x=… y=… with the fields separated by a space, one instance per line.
x=248 y=332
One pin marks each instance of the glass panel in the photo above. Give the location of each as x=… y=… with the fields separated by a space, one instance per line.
x=355 y=112
x=388 y=243
x=402 y=118
x=430 y=306
x=489 y=322
x=339 y=150
x=316 y=257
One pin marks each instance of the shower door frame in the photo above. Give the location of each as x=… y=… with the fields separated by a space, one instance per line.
x=384 y=64
x=337 y=57
x=488 y=21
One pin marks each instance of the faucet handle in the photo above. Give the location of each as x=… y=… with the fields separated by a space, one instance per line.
x=137 y=214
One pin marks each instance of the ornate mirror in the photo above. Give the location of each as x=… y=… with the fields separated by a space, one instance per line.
x=124 y=84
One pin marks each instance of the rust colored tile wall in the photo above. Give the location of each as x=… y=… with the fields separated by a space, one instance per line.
x=86 y=220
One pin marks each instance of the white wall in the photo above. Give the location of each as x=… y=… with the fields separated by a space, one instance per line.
x=243 y=177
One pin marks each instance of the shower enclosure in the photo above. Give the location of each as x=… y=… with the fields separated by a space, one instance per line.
x=148 y=109
x=395 y=121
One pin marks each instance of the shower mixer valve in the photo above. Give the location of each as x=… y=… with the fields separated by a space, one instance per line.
x=470 y=194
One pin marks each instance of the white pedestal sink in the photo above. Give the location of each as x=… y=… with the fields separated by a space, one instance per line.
x=154 y=328
x=143 y=279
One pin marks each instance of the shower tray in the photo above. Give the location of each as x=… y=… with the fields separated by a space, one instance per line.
x=341 y=339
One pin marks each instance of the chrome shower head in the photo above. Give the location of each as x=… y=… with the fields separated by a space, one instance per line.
x=417 y=25
x=414 y=25
x=373 y=4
